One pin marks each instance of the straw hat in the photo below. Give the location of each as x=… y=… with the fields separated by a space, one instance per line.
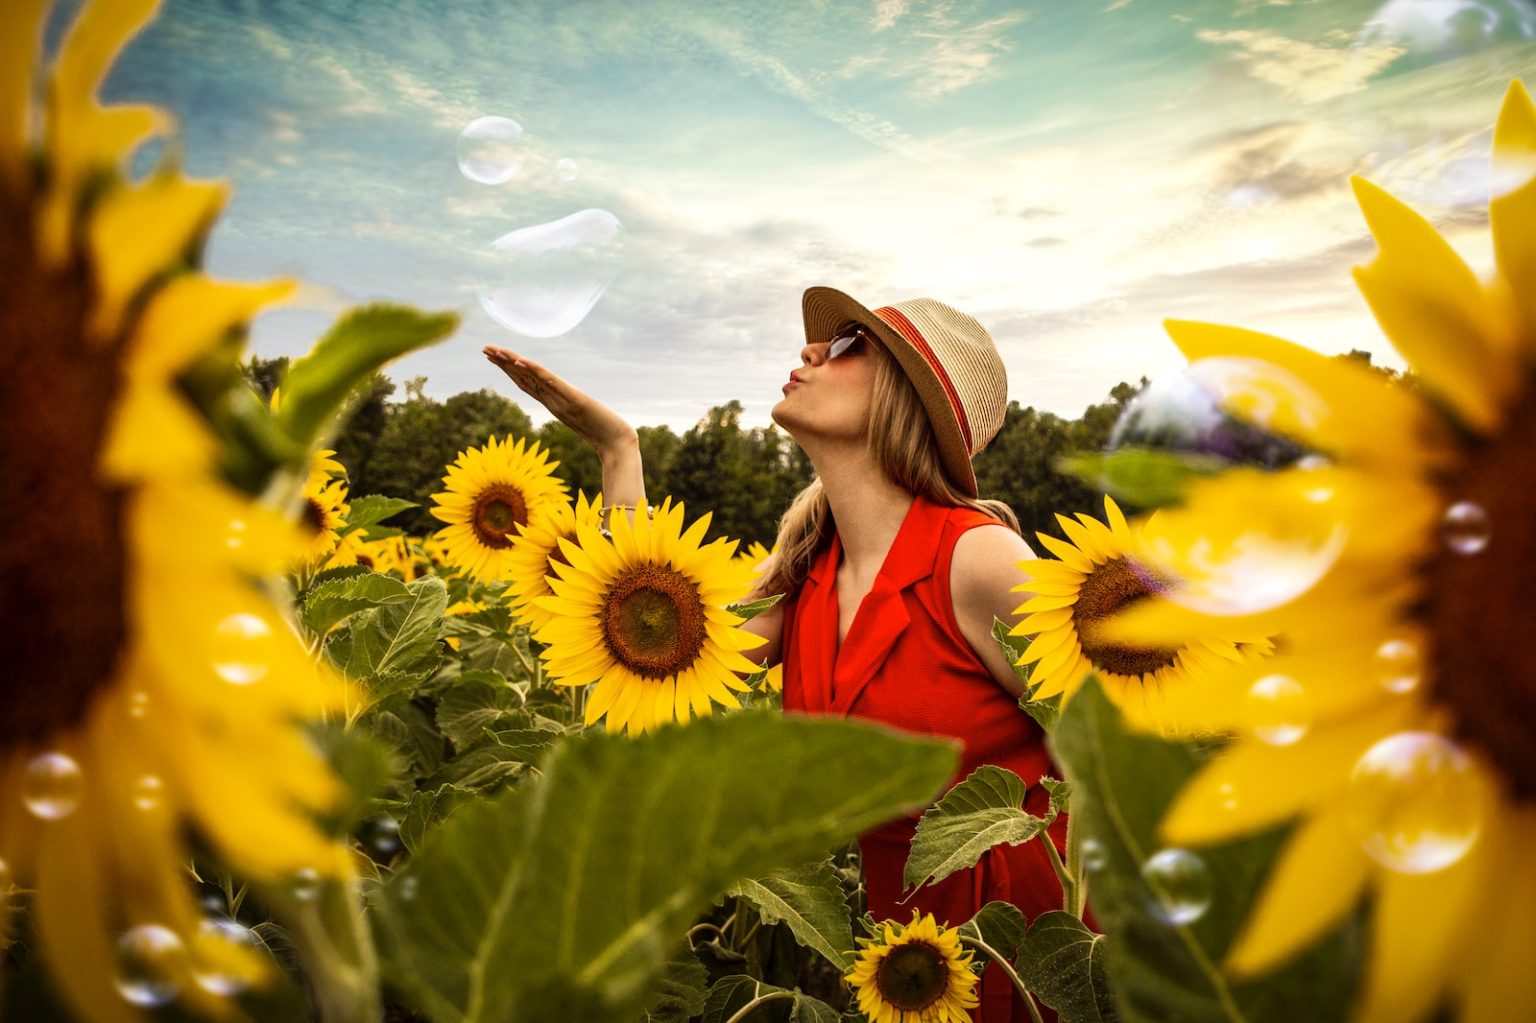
x=948 y=356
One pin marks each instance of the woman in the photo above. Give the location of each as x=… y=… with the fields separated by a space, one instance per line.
x=891 y=584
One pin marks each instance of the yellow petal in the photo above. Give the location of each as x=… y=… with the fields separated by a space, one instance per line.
x=190 y=315
x=1434 y=310
x=1416 y=926
x=21 y=42
x=1068 y=554
x=1513 y=212
x=1497 y=984
x=1316 y=880
x=142 y=230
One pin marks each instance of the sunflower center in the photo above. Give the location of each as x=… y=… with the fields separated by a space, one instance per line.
x=62 y=529
x=1481 y=590
x=366 y=561
x=1109 y=588
x=653 y=621
x=912 y=976
x=313 y=515
x=498 y=509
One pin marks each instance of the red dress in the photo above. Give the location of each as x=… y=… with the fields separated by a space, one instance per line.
x=905 y=663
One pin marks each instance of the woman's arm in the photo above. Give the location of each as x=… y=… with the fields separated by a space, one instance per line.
x=616 y=442
x=982 y=575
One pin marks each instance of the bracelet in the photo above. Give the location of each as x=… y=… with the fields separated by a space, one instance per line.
x=602 y=516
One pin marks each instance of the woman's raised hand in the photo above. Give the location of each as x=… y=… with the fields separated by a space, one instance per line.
x=593 y=421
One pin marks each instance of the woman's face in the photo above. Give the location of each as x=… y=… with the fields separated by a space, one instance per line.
x=829 y=396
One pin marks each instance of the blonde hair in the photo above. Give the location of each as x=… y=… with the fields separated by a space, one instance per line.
x=903 y=444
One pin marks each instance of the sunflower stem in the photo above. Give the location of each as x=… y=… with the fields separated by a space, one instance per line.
x=1068 y=882
x=1018 y=983
x=741 y=1013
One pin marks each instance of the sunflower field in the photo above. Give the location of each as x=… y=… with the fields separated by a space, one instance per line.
x=266 y=757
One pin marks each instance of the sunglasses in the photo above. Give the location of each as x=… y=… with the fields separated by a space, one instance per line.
x=845 y=340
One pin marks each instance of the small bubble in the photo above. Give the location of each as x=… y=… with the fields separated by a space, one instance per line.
x=1278 y=705
x=567 y=170
x=1399 y=665
x=138 y=703
x=386 y=836
x=235 y=538
x=221 y=956
x=150 y=961
x=53 y=786
x=1095 y=858
x=1417 y=802
x=488 y=150
x=408 y=887
x=242 y=648
x=306 y=884
x=1465 y=528
x=1181 y=886
x=147 y=792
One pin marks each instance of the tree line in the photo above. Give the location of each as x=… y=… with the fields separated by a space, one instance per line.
x=745 y=476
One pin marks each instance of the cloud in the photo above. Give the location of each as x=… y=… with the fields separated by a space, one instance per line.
x=1306 y=72
x=273 y=43
x=1045 y=242
x=358 y=99
x=1118 y=5
x=958 y=56
x=888 y=12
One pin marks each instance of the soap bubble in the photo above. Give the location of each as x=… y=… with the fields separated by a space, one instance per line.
x=541 y=281
x=488 y=150
x=1411 y=53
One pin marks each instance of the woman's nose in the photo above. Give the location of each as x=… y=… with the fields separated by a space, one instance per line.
x=818 y=350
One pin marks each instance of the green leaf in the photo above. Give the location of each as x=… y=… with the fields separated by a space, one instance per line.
x=1062 y=962
x=330 y=602
x=731 y=994
x=317 y=385
x=394 y=647
x=1045 y=712
x=1121 y=785
x=810 y=899
x=339 y=572
x=679 y=994
x=426 y=809
x=373 y=508
x=752 y=609
x=1060 y=794
x=576 y=884
x=1143 y=477
x=1001 y=925
x=476 y=701
x=982 y=811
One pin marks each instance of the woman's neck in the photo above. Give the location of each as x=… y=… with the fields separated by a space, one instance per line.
x=868 y=507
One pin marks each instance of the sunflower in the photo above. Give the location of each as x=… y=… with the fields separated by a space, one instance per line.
x=914 y=974
x=643 y=615
x=1414 y=777
x=536 y=550
x=157 y=690
x=492 y=492
x=1090 y=579
x=324 y=512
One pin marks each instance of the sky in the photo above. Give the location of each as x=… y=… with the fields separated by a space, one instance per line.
x=1070 y=173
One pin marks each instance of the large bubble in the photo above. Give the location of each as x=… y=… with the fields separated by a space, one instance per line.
x=1422 y=63
x=541 y=281
x=1237 y=410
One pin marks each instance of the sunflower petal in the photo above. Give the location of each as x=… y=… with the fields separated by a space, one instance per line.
x=1318 y=877
x=1514 y=211
x=21 y=43
x=1433 y=309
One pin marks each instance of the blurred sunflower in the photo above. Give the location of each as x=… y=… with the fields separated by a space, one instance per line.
x=157 y=691
x=1412 y=694
x=460 y=607
x=643 y=615
x=536 y=550
x=1090 y=579
x=914 y=974
x=436 y=550
x=492 y=492
x=324 y=512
